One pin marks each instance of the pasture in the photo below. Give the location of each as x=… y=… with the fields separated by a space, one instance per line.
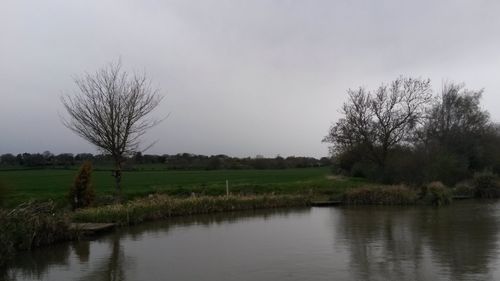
x=44 y=184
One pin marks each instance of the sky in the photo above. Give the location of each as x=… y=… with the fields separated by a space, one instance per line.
x=239 y=77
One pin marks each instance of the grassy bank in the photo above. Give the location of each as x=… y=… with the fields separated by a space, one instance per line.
x=161 y=206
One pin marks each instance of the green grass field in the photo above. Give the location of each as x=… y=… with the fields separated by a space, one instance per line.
x=45 y=184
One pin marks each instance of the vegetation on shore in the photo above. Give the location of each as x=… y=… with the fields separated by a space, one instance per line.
x=82 y=193
x=380 y=195
x=158 y=207
x=31 y=225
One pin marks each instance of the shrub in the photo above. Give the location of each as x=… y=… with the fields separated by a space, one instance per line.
x=82 y=193
x=385 y=195
x=436 y=193
x=30 y=225
x=486 y=185
x=464 y=188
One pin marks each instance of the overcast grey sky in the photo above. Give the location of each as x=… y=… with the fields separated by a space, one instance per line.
x=239 y=77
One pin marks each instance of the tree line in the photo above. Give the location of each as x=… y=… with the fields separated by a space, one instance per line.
x=180 y=161
x=404 y=133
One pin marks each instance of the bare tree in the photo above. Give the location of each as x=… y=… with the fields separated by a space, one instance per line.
x=111 y=111
x=381 y=120
x=457 y=113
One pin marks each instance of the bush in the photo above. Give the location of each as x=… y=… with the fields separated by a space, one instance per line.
x=464 y=188
x=386 y=195
x=486 y=185
x=30 y=225
x=436 y=193
x=82 y=193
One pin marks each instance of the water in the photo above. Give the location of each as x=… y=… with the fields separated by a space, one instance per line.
x=460 y=242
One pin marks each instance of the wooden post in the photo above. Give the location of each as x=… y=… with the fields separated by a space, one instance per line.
x=227 y=188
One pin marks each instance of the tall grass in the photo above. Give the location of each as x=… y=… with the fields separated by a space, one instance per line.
x=31 y=225
x=380 y=195
x=436 y=194
x=162 y=206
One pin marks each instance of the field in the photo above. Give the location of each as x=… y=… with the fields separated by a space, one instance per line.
x=53 y=184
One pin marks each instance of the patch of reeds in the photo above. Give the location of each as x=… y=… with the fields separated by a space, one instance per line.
x=157 y=207
x=436 y=194
x=31 y=225
x=464 y=189
x=380 y=195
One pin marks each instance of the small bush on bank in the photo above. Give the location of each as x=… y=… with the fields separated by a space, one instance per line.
x=161 y=206
x=30 y=225
x=436 y=194
x=486 y=185
x=82 y=193
x=464 y=188
x=385 y=195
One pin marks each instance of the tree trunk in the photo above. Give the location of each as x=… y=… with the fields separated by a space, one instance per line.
x=118 y=180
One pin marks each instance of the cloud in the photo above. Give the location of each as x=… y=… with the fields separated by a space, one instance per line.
x=240 y=77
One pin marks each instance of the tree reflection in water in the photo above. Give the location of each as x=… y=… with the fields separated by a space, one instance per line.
x=114 y=264
x=371 y=243
x=420 y=243
x=113 y=267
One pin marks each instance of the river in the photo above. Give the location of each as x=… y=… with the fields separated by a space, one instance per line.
x=457 y=242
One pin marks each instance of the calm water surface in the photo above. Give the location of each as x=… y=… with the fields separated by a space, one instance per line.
x=460 y=242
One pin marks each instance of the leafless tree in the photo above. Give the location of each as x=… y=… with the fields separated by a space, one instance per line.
x=457 y=113
x=111 y=110
x=381 y=120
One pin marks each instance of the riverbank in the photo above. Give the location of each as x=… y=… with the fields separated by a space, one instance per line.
x=31 y=225
x=156 y=207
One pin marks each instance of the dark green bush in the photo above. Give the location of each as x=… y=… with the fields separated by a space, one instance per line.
x=437 y=194
x=486 y=185
x=385 y=195
x=82 y=193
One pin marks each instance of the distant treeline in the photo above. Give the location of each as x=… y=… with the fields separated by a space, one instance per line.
x=181 y=161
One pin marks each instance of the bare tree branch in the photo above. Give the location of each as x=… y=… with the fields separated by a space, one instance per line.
x=380 y=120
x=111 y=111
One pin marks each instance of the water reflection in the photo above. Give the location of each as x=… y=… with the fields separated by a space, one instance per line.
x=111 y=268
x=35 y=266
x=459 y=242
x=386 y=243
x=110 y=264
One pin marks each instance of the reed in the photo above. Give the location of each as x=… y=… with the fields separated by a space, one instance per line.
x=436 y=194
x=157 y=207
x=31 y=225
x=380 y=195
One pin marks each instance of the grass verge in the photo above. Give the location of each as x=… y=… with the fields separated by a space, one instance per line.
x=162 y=206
